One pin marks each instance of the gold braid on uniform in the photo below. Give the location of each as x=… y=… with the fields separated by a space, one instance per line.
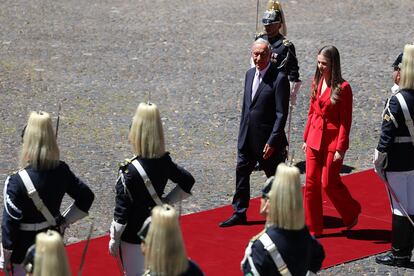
x=287 y=42
x=123 y=166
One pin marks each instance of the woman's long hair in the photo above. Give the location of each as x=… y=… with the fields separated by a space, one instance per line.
x=146 y=134
x=332 y=54
x=407 y=68
x=39 y=149
x=50 y=256
x=164 y=247
x=285 y=199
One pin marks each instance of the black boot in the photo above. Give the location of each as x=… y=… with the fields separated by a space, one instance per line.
x=402 y=243
x=390 y=259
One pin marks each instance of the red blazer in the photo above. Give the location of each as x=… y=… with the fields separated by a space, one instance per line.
x=329 y=125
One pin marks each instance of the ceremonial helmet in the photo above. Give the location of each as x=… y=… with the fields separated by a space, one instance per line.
x=397 y=63
x=273 y=13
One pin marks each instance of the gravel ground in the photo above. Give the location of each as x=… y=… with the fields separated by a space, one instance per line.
x=100 y=58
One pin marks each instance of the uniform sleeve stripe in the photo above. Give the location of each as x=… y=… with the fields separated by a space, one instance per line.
x=8 y=202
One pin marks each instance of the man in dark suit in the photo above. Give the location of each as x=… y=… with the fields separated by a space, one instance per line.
x=262 y=136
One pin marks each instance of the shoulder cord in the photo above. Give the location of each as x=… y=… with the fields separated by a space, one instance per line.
x=126 y=190
x=248 y=257
x=387 y=108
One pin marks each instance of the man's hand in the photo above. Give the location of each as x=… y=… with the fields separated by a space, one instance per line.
x=268 y=151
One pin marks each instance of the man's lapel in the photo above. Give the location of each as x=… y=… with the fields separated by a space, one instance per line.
x=249 y=84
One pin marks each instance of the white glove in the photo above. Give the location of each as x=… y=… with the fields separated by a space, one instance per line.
x=116 y=231
x=71 y=215
x=5 y=263
x=177 y=194
x=294 y=89
x=380 y=163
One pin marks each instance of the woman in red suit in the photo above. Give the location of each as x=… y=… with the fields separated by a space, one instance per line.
x=326 y=141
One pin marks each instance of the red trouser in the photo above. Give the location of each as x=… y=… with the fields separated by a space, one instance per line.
x=323 y=172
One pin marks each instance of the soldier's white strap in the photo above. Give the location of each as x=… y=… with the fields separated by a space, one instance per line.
x=34 y=196
x=34 y=226
x=270 y=246
x=407 y=116
x=402 y=139
x=147 y=182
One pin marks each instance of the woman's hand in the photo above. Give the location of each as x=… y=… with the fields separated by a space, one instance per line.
x=304 y=146
x=339 y=155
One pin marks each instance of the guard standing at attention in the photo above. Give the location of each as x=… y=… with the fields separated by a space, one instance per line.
x=283 y=50
x=394 y=163
x=33 y=195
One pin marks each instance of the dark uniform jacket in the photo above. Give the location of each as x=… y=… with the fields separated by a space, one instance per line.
x=299 y=250
x=51 y=185
x=192 y=270
x=133 y=201
x=285 y=54
x=400 y=155
x=263 y=119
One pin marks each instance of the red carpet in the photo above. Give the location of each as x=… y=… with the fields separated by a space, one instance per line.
x=219 y=250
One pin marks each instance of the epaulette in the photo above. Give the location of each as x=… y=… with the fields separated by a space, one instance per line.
x=124 y=164
x=15 y=172
x=259 y=35
x=254 y=238
x=287 y=42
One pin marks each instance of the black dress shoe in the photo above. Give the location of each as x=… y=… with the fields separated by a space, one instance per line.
x=234 y=220
x=390 y=259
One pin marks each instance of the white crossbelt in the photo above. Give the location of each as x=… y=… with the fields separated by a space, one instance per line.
x=407 y=116
x=41 y=207
x=147 y=182
x=270 y=247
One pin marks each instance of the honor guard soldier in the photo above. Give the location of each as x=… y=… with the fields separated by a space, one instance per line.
x=394 y=163
x=163 y=246
x=283 y=50
x=33 y=195
x=140 y=187
x=285 y=246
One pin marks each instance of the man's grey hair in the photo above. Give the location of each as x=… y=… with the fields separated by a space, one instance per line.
x=262 y=41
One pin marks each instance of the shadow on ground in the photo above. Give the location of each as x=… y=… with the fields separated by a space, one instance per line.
x=302 y=167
